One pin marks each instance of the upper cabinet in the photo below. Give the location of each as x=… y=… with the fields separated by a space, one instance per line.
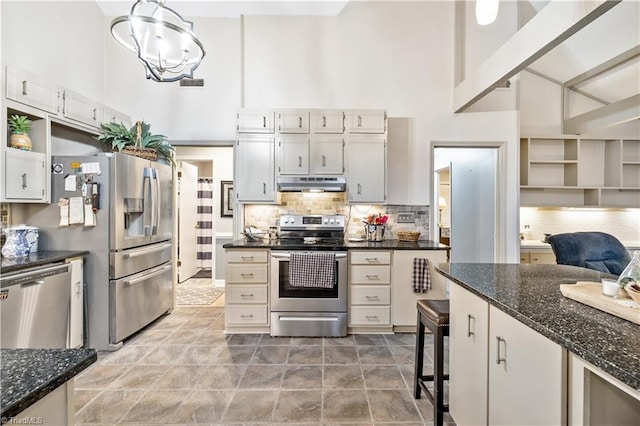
x=255 y=121
x=579 y=172
x=327 y=155
x=254 y=169
x=29 y=89
x=293 y=121
x=82 y=109
x=110 y=115
x=327 y=121
x=366 y=121
x=366 y=169
x=293 y=155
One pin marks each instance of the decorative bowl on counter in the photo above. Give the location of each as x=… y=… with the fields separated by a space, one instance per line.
x=633 y=290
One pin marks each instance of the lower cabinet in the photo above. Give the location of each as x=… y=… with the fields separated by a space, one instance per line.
x=502 y=372
x=370 y=290
x=247 y=291
x=404 y=298
x=538 y=256
x=56 y=408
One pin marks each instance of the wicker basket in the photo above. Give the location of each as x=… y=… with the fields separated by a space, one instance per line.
x=408 y=235
x=146 y=153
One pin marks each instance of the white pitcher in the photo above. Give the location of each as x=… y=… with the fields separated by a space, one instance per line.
x=17 y=244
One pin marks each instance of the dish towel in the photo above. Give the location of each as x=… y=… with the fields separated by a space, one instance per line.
x=312 y=270
x=421 y=277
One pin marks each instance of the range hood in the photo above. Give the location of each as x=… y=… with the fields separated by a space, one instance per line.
x=312 y=184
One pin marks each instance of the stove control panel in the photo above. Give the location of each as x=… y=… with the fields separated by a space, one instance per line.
x=311 y=221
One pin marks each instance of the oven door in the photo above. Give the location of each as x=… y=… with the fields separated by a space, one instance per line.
x=285 y=298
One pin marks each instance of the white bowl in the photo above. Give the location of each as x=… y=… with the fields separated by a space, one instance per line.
x=610 y=287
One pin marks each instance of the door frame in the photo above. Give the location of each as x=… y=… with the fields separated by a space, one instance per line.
x=501 y=207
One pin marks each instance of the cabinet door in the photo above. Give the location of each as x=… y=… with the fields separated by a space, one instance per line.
x=327 y=153
x=29 y=89
x=110 y=115
x=366 y=169
x=255 y=169
x=296 y=121
x=404 y=298
x=468 y=330
x=293 y=155
x=24 y=177
x=526 y=374
x=255 y=121
x=366 y=121
x=82 y=109
x=327 y=121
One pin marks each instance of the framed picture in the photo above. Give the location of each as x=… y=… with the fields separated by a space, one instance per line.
x=226 y=198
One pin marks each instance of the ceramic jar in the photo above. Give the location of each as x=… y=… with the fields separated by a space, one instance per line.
x=20 y=141
x=18 y=241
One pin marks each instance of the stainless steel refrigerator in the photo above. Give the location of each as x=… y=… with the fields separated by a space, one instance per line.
x=128 y=271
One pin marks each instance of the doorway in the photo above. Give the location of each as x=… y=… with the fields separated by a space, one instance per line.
x=466 y=193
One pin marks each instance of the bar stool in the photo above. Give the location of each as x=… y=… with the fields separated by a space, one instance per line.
x=433 y=314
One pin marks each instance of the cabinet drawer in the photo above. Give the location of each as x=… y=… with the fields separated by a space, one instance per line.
x=247 y=256
x=371 y=257
x=246 y=314
x=547 y=258
x=370 y=315
x=251 y=274
x=370 y=295
x=361 y=274
x=239 y=294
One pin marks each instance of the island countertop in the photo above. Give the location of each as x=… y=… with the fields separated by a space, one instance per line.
x=531 y=294
x=28 y=375
x=348 y=245
x=37 y=259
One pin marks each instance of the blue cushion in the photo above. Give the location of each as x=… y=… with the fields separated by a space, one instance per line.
x=594 y=250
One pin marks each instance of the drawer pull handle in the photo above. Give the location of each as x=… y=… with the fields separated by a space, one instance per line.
x=500 y=359
x=24 y=87
x=264 y=121
x=247 y=258
x=247 y=295
x=359 y=189
x=246 y=316
x=371 y=317
x=299 y=161
x=373 y=277
x=359 y=121
x=324 y=161
x=249 y=275
x=371 y=297
x=24 y=181
x=372 y=260
x=300 y=122
x=324 y=121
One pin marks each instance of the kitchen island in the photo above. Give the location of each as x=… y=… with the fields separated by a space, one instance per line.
x=29 y=377
x=509 y=318
x=348 y=245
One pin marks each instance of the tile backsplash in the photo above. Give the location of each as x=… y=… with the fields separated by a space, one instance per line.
x=263 y=216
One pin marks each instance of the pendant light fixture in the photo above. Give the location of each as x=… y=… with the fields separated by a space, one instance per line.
x=162 y=39
x=486 y=11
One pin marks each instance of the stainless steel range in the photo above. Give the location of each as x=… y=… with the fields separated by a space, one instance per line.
x=310 y=309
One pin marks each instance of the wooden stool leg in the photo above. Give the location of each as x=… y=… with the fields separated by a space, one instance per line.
x=438 y=373
x=419 y=358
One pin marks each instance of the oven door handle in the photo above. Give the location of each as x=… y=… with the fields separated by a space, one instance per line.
x=288 y=255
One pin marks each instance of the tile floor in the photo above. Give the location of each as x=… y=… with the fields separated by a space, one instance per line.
x=183 y=369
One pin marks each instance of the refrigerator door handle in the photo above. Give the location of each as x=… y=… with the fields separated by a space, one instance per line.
x=157 y=202
x=148 y=202
x=138 y=253
x=146 y=277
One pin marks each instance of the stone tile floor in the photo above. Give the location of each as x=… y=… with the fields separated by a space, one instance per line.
x=183 y=369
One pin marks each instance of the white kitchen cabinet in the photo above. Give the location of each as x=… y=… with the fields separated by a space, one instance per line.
x=501 y=371
x=24 y=176
x=293 y=121
x=30 y=89
x=468 y=355
x=110 y=115
x=82 y=109
x=76 y=305
x=527 y=374
x=366 y=121
x=327 y=121
x=247 y=289
x=370 y=290
x=254 y=169
x=293 y=155
x=366 y=169
x=255 y=121
x=327 y=155
x=404 y=298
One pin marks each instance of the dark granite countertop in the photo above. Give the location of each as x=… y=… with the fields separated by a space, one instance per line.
x=531 y=294
x=37 y=259
x=28 y=375
x=348 y=245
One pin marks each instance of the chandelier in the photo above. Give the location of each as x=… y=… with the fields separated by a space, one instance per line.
x=164 y=42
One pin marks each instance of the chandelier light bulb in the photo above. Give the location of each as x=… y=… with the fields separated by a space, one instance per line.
x=486 y=11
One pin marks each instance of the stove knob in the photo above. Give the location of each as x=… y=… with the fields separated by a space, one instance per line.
x=331 y=221
x=326 y=221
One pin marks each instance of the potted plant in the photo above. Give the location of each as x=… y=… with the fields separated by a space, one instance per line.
x=20 y=126
x=137 y=140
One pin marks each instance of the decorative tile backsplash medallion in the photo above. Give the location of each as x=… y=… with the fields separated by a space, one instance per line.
x=264 y=216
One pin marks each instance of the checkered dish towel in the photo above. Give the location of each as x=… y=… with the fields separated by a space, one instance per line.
x=312 y=270
x=421 y=277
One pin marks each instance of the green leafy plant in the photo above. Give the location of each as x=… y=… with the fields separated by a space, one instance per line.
x=19 y=124
x=118 y=136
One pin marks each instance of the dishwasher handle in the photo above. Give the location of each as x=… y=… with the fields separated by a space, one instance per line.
x=33 y=275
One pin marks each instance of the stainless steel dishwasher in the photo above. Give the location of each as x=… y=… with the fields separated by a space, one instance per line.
x=34 y=307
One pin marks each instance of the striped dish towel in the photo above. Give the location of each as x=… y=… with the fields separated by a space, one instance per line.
x=421 y=277
x=312 y=270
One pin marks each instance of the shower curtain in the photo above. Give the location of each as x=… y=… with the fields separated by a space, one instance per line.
x=205 y=223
